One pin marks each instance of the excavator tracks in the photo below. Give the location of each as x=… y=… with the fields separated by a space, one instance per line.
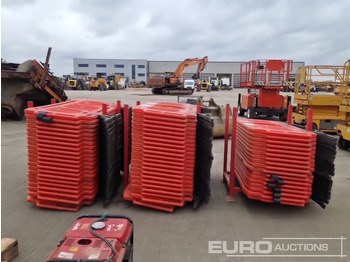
x=171 y=91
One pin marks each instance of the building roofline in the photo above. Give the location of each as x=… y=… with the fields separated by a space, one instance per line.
x=110 y=59
x=211 y=61
x=177 y=61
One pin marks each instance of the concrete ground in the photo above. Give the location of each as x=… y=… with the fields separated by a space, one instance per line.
x=185 y=234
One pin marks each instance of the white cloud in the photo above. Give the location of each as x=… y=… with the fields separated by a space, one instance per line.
x=314 y=31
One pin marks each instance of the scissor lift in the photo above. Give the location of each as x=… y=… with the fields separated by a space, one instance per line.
x=326 y=105
x=264 y=80
x=343 y=130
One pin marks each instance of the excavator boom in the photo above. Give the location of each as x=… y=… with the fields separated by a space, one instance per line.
x=189 y=62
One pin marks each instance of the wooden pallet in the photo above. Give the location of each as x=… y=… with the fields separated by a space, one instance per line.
x=9 y=249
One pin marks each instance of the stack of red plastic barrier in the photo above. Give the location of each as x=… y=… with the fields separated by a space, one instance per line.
x=32 y=159
x=63 y=153
x=274 y=161
x=163 y=155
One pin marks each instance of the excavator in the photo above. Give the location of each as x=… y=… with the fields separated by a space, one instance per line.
x=172 y=82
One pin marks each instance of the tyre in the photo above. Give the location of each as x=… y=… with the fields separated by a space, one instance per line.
x=343 y=144
x=240 y=111
x=250 y=113
x=283 y=117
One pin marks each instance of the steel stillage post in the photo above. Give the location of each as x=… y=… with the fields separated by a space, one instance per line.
x=227 y=120
x=233 y=154
x=126 y=145
x=309 y=116
x=290 y=113
x=119 y=106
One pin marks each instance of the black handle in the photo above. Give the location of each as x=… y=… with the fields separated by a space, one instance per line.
x=41 y=116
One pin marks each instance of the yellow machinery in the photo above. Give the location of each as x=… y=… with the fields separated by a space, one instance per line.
x=93 y=85
x=113 y=81
x=98 y=84
x=102 y=84
x=140 y=84
x=205 y=85
x=343 y=130
x=326 y=114
x=76 y=84
x=72 y=84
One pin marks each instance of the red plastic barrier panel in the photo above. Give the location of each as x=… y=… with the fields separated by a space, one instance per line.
x=63 y=153
x=163 y=155
x=275 y=161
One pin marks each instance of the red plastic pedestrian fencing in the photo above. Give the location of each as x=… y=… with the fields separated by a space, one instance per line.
x=163 y=155
x=63 y=153
x=274 y=162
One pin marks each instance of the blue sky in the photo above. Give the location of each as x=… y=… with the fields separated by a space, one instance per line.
x=314 y=31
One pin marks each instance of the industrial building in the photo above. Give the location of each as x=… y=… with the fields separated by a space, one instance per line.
x=135 y=69
x=141 y=69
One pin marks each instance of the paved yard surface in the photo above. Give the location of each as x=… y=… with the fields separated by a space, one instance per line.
x=184 y=234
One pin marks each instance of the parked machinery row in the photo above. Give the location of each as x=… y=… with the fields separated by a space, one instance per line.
x=86 y=83
x=266 y=78
x=331 y=111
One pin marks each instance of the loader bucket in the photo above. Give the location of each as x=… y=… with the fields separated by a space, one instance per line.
x=15 y=88
x=12 y=104
x=21 y=84
x=209 y=106
x=219 y=116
